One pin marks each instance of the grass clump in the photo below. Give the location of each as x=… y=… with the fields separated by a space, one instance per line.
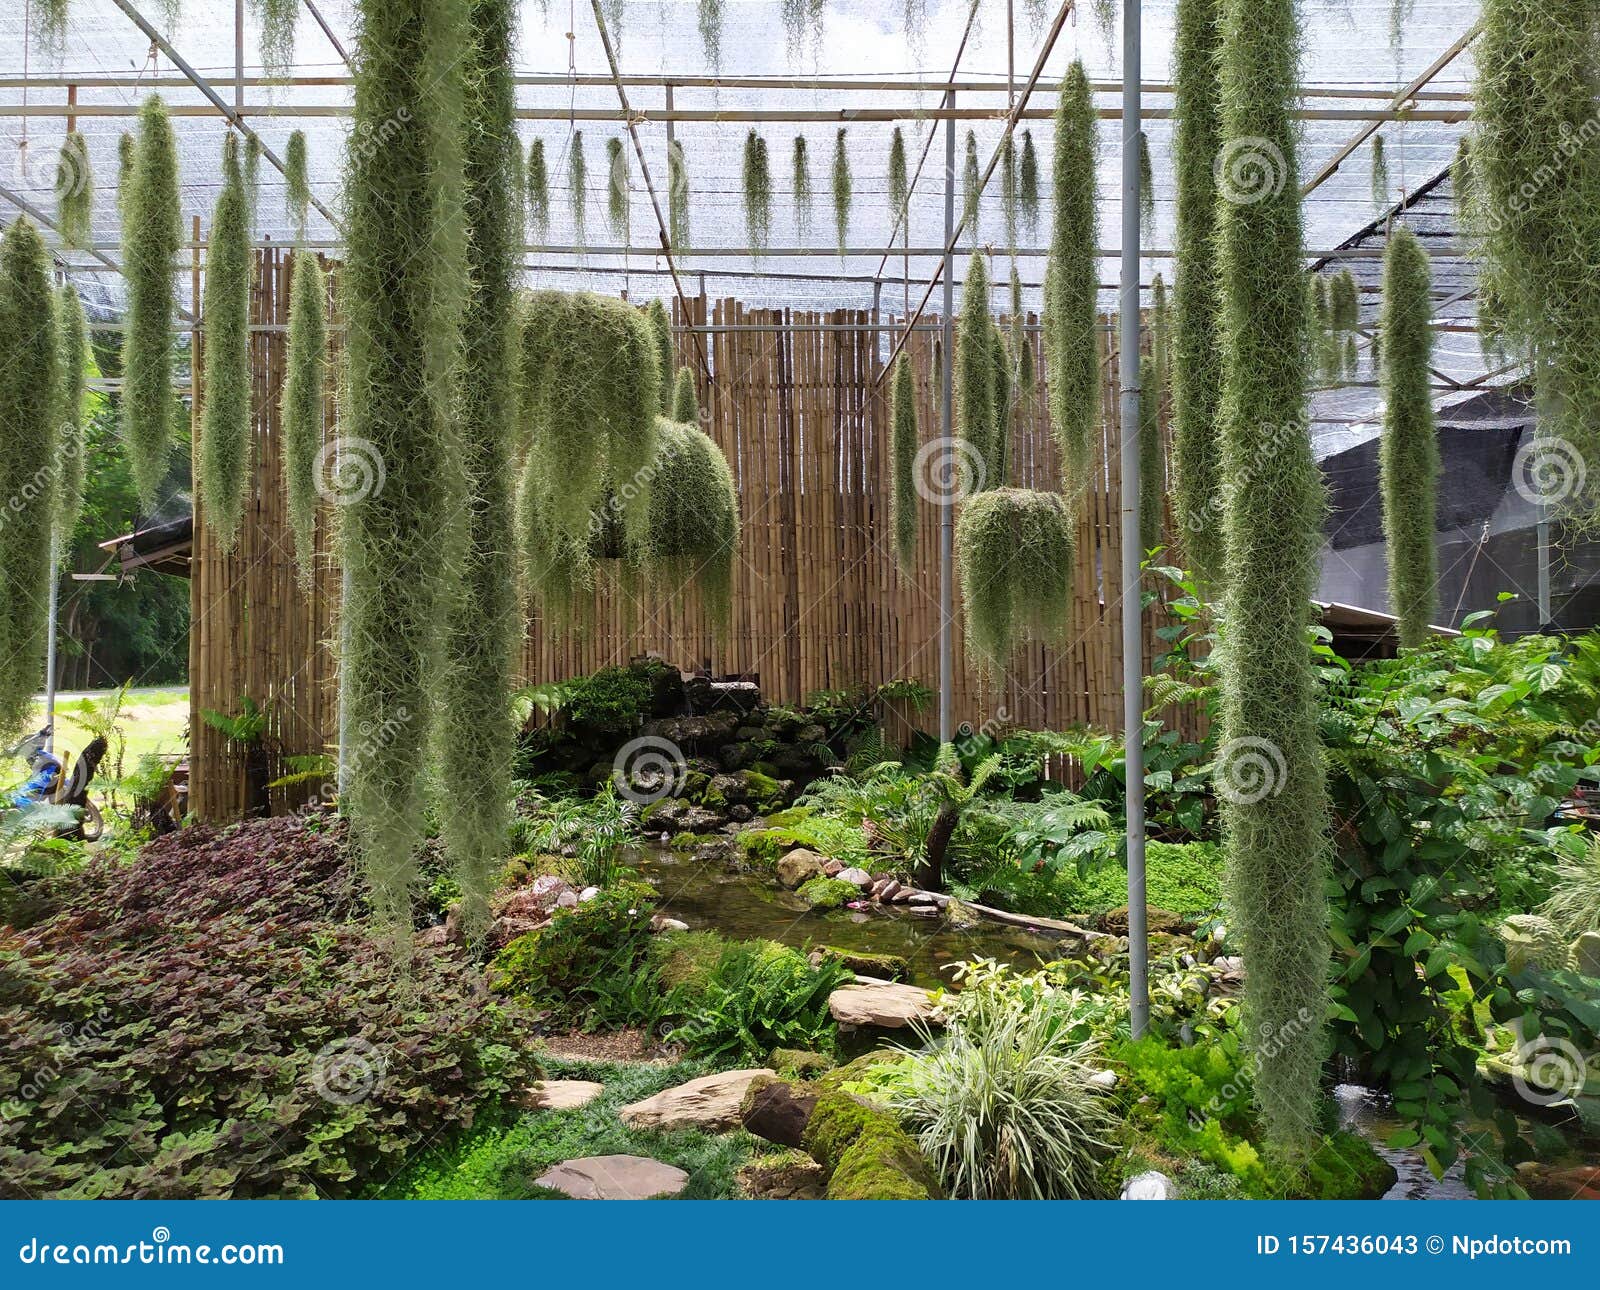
x=537 y=176
x=1277 y=839
x=225 y=420
x=75 y=192
x=842 y=188
x=300 y=414
x=1574 y=905
x=151 y=235
x=72 y=370
x=903 y=438
x=1409 y=453
x=757 y=193
x=1015 y=550
x=1071 y=317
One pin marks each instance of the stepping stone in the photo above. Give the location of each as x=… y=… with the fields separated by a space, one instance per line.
x=614 y=1178
x=561 y=1094
x=884 y=1005
x=710 y=1103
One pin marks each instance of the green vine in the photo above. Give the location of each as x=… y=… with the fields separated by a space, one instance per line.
x=300 y=414
x=841 y=190
x=75 y=192
x=224 y=456
x=757 y=194
x=903 y=443
x=1015 y=551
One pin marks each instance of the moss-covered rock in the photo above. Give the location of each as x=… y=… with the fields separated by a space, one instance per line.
x=828 y=893
x=796 y=1063
x=857 y=1068
x=1347 y=1167
x=687 y=958
x=883 y=1163
x=763 y=792
x=887 y=967
x=838 y=1120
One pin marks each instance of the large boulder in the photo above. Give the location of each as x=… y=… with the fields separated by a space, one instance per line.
x=711 y=1103
x=614 y=1178
x=868 y=1155
x=888 y=1007
x=886 y=967
x=800 y=866
x=1586 y=954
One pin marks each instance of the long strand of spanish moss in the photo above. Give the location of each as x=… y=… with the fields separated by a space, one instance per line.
x=578 y=187
x=225 y=415
x=677 y=195
x=72 y=351
x=618 y=182
x=801 y=170
x=300 y=414
x=841 y=190
x=75 y=192
x=538 y=191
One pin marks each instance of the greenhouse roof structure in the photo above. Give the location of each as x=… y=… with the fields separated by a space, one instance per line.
x=855 y=68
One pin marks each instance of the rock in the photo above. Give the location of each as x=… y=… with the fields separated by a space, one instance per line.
x=791 y=1176
x=588 y=894
x=800 y=866
x=661 y=923
x=730 y=789
x=701 y=819
x=1103 y=1079
x=614 y=1178
x=887 y=967
x=798 y=1062
x=430 y=938
x=889 y=1007
x=736 y=757
x=560 y=1094
x=567 y=900
x=919 y=898
x=710 y=1103
x=833 y=868
x=1532 y=941
x=740 y=814
x=775 y=1111
x=1586 y=954
x=749 y=734
x=903 y=896
x=812 y=734
x=694 y=733
x=1151 y=1185
x=889 y=890
x=1158 y=920
x=860 y=877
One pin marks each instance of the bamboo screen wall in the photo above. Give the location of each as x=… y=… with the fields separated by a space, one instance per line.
x=817 y=601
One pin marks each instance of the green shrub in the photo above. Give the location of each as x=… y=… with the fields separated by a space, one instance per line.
x=759 y=996
x=613 y=700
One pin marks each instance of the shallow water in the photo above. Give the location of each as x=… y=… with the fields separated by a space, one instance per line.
x=1369 y=1113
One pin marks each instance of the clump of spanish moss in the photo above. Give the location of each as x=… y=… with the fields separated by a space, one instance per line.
x=1344 y=301
x=578 y=187
x=50 y=24
x=296 y=183
x=29 y=439
x=1015 y=550
x=617 y=185
x=685 y=399
x=903 y=444
x=224 y=455
x=1002 y=401
x=1072 y=283
x=277 y=18
x=75 y=192
x=151 y=236
x=252 y=174
x=538 y=178
x=802 y=188
x=693 y=538
x=1147 y=191
x=1461 y=181
x=1536 y=219
x=127 y=159
x=1105 y=18
x=1028 y=185
x=661 y=336
x=1328 y=351
x=757 y=193
x=402 y=284
x=1153 y=375
x=974 y=381
x=841 y=190
x=677 y=195
x=300 y=415
x=1269 y=771
x=1197 y=307
x=1380 y=174
x=1008 y=189
x=72 y=366
x=971 y=189
x=709 y=20
x=899 y=184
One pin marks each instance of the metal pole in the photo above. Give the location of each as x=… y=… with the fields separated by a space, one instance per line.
x=1132 y=604
x=947 y=513
x=1544 y=568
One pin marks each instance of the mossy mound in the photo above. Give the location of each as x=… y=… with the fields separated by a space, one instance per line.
x=890 y=967
x=796 y=1063
x=869 y=1156
x=828 y=893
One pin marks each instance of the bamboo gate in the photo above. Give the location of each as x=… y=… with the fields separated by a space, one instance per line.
x=798 y=408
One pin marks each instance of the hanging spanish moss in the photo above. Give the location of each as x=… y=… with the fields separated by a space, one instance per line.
x=30 y=393
x=1461 y=182
x=224 y=455
x=1326 y=338
x=661 y=337
x=841 y=190
x=1022 y=351
x=1147 y=192
x=578 y=187
x=1105 y=18
x=677 y=196
x=296 y=183
x=685 y=399
x=1352 y=358
x=1008 y=189
x=252 y=175
x=1152 y=400
x=618 y=182
x=709 y=20
x=974 y=381
x=50 y=24
x=127 y=158
x=151 y=236
x=757 y=194
x=1015 y=550
x=1345 y=301
x=517 y=178
x=903 y=444
x=802 y=25
x=1002 y=401
x=916 y=27
x=74 y=191
x=1072 y=283
x=802 y=188
x=403 y=284
x=1028 y=185
x=1270 y=767
x=899 y=184
x=277 y=19
x=301 y=412
x=538 y=176
x=971 y=189
x=1408 y=458
x=1197 y=290
x=1380 y=175
x=72 y=367
x=693 y=539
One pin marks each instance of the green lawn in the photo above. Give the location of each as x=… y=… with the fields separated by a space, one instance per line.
x=152 y=720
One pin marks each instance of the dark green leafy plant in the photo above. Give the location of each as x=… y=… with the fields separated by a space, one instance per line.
x=841 y=190
x=756 y=997
x=1015 y=552
x=903 y=442
x=1071 y=319
x=75 y=191
x=301 y=412
x=150 y=239
x=757 y=193
x=538 y=177
x=225 y=448
x=1409 y=457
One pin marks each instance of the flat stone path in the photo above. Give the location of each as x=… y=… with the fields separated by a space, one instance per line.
x=615 y=1178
